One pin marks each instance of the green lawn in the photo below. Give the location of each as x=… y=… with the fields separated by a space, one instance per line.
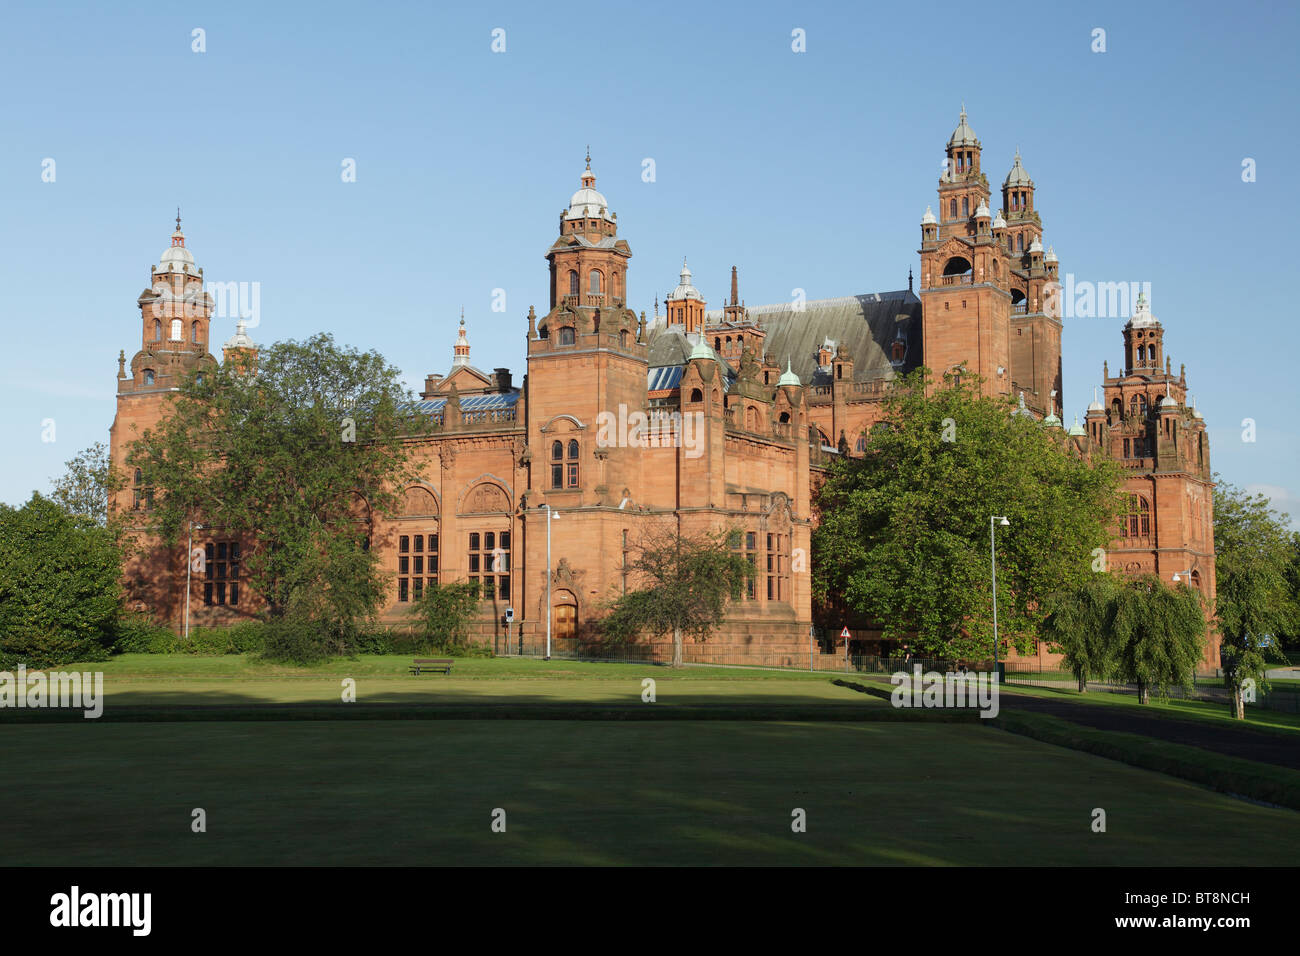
x=422 y=792
x=1269 y=721
x=182 y=680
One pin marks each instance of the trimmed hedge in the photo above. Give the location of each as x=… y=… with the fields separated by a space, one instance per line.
x=1265 y=782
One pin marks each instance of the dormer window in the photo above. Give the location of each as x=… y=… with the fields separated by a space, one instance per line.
x=566 y=336
x=148 y=376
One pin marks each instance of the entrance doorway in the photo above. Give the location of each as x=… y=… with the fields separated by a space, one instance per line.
x=564 y=622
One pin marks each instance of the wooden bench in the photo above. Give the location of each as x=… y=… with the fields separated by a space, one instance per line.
x=426 y=665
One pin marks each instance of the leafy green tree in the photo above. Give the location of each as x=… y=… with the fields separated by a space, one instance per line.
x=1079 y=625
x=1254 y=601
x=443 y=613
x=86 y=485
x=904 y=533
x=1289 y=635
x=1160 y=634
x=299 y=456
x=59 y=586
x=687 y=581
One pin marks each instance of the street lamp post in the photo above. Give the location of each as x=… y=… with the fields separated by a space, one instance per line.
x=189 y=564
x=993 y=560
x=549 y=515
x=1183 y=574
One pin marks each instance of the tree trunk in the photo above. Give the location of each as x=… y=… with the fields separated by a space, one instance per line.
x=1083 y=685
x=677 y=647
x=1238 y=703
x=1144 y=693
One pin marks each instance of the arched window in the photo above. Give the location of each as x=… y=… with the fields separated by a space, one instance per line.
x=697 y=395
x=717 y=343
x=624 y=338
x=595 y=282
x=751 y=419
x=557 y=450
x=785 y=418
x=566 y=335
x=1137 y=522
x=571 y=463
x=157 y=331
x=148 y=376
x=557 y=464
x=194 y=332
x=952 y=209
x=573 y=282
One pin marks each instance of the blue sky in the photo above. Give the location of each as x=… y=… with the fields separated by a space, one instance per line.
x=806 y=170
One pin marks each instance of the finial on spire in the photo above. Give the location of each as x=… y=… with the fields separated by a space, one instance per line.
x=963 y=111
x=178 y=218
x=462 y=315
x=589 y=156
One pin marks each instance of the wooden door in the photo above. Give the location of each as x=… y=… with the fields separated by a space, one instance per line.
x=564 y=622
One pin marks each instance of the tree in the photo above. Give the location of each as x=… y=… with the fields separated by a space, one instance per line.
x=298 y=456
x=444 y=611
x=904 y=533
x=1080 y=625
x=59 y=586
x=87 y=484
x=1290 y=636
x=1159 y=632
x=1254 y=601
x=687 y=583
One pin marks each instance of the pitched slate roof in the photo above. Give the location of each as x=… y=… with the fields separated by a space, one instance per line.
x=670 y=350
x=867 y=325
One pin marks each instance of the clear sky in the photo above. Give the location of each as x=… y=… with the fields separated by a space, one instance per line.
x=806 y=170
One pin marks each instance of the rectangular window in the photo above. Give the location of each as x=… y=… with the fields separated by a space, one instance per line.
x=417 y=565
x=557 y=476
x=221 y=573
x=489 y=563
x=573 y=474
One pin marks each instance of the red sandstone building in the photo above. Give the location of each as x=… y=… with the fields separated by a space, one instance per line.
x=745 y=406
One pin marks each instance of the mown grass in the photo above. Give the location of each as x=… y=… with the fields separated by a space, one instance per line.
x=423 y=792
x=1227 y=774
x=1265 y=721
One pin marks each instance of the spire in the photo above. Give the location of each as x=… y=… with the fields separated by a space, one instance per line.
x=178 y=237
x=788 y=377
x=461 y=349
